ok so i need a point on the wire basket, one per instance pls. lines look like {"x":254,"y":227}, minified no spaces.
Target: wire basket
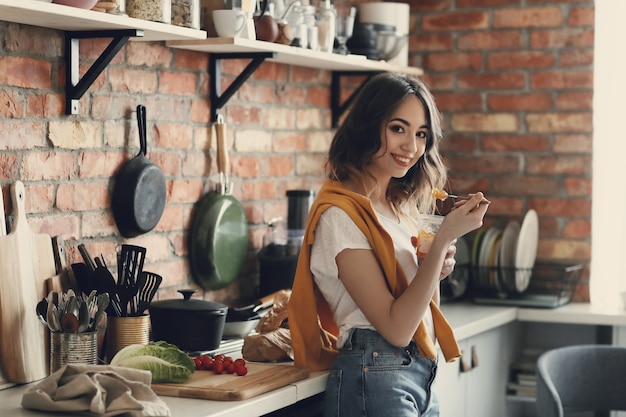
{"x":545,"y":285}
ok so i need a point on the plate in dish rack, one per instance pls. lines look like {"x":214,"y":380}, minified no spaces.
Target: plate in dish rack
{"x":526,"y":251}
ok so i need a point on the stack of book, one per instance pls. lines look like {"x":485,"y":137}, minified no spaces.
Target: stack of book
{"x":523,"y":380}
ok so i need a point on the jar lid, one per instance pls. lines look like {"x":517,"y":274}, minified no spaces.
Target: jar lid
{"x":188,"y":304}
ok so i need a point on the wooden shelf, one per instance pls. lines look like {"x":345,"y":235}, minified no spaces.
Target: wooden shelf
{"x":56,"y":16}
{"x":291,"y":55}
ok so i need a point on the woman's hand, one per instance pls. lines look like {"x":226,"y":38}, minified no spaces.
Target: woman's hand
{"x":466,"y":216}
{"x":449,"y":262}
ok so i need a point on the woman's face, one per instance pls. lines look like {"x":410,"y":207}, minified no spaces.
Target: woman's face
{"x":403,"y":141}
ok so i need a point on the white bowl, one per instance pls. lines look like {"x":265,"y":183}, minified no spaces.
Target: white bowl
{"x":82,"y":4}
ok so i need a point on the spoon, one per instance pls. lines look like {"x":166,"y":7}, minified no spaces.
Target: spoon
{"x":52,"y":317}
{"x":443,"y":194}
{"x":69,"y":323}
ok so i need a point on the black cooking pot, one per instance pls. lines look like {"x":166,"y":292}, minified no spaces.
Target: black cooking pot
{"x":190,"y":324}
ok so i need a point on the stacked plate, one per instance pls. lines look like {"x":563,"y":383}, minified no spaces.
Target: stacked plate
{"x":502,"y":259}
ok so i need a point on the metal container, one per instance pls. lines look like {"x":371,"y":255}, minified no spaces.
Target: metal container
{"x":67,"y":348}
{"x":124,"y":331}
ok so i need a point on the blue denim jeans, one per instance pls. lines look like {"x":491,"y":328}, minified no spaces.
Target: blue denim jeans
{"x":372,"y":378}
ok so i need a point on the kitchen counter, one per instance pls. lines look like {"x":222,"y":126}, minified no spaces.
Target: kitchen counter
{"x":467,"y":319}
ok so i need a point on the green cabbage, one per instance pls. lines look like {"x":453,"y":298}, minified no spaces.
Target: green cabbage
{"x":166,"y":362}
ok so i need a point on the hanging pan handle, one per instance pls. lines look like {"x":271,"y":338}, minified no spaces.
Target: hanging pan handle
{"x":223,"y":162}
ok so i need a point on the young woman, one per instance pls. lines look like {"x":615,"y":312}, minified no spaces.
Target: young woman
{"x":362,"y":304}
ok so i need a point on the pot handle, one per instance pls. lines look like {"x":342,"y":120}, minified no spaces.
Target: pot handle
{"x":187,"y":293}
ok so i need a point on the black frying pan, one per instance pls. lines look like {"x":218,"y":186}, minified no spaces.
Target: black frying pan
{"x":139,"y":194}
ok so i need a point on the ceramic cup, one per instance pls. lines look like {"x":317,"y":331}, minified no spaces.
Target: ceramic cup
{"x":229,"y":23}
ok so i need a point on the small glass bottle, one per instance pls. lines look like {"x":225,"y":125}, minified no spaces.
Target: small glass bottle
{"x":326,"y":26}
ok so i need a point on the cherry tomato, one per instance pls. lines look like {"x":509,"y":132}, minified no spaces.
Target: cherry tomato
{"x":241,"y":370}
{"x":218,"y":367}
{"x":240,"y":362}
{"x":207,"y":362}
{"x":198,"y":363}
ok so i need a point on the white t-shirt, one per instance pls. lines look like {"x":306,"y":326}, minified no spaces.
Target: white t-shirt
{"x":336,"y":232}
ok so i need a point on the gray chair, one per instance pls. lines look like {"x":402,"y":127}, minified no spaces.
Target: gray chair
{"x":582,"y":377}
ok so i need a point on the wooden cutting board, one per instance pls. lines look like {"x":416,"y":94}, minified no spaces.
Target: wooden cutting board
{"x":207,"y":385}
{"x":26,"y":260}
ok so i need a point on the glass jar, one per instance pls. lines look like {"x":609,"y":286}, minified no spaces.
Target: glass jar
{"x":186,"y":13}
{"x":111,"y":6}
{"x":153,"y":10}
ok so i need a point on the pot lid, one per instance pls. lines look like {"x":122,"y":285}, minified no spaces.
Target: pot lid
{"x":188,"y":304}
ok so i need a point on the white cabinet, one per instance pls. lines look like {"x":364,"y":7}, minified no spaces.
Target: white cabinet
{"x":480,"y":390}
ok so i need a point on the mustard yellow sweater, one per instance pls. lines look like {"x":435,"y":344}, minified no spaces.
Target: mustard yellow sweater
{"x":313,"y":330}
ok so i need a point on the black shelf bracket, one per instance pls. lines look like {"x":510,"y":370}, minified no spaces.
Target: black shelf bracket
{"x":336,"y":107}
{"x":75,"y":86}
{"x":219,"y":98}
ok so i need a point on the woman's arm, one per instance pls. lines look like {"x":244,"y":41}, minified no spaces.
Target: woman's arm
{"x":397,"y":319}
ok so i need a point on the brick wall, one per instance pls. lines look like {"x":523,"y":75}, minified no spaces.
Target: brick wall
{"x":514,"y":83}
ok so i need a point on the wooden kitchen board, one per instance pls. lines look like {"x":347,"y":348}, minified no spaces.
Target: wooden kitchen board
{"x":26,"y":260}
{"x":207,"y":385}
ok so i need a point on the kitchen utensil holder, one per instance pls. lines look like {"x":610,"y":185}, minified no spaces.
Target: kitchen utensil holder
{"x":71,"y":348}
{"x":124,"y":331}
{"x":556,"y":280}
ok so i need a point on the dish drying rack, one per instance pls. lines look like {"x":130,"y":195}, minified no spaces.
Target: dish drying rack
{"x":550,"y":285}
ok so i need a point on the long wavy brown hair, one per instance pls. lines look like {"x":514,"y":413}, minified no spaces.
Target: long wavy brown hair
{"x":358,"y":139}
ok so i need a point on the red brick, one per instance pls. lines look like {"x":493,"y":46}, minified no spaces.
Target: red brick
{"x":519,"y":102}
{"x":560,"y":38}
{"x":508,"y":143}
{"x":259,"y":190}
{"x":172,"y":136}
{"x":482,"y":122}
{"x":459,"y":101}
{"x":39,"y":199}
{"x":474,"y":20}
{"x":557,"y":165}
{"x":426,"y":41}
{"x":19,"y":134}
{"x":568,"y":207}
{"x":452,"y":61}
{"x":92,"y":195}
{"x":246,"y":166}
{"x":564,"y":249}
{"x":575,"y":100}
{"x":487,"y":164}
{"x":457,"y":142}
{"x":577,"y":229}
{"x":560,"y":122}
{"x":178,"y":83}
{"x":580,"y":187}
{"x":578,"y":143}
{"x":45,"y":105}
{"x":184,"y":191}
{"x":485,"y":3}
{"x":490,"y":40}
{"x":150,"y":54}
{"x":25,"y":72}
{"x":48,"y":166}
{"x":280,"y":166}
{"x":562,"y":79}
{"x":191,"y":60}
{"x":503,"y":80}
{"x":258,"y":93}
{"x":519,"y":60}
{"x":8,"y":166}
{"x":516,"y":185}
{"x":581,"y":16}
{"x":529,"y":17}
{"x":200,"y":111}
{"x":11,"y":105}
{"x":133,"y":80}
{"x":429,"y":5}
{"x":576,"y":58}
{"x":36,"y":41}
